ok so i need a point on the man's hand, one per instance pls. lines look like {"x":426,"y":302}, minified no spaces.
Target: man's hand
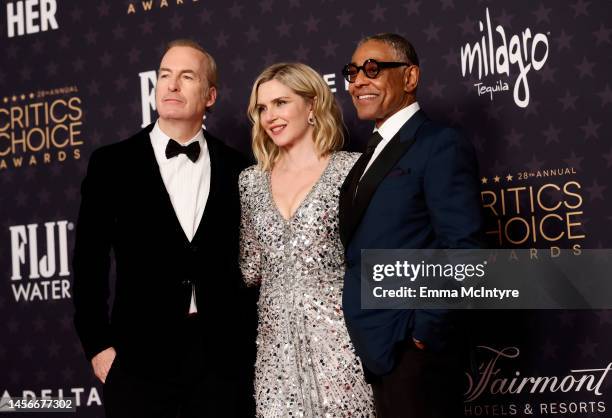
{"x":102,"y":363}
{"x":419,"y":344}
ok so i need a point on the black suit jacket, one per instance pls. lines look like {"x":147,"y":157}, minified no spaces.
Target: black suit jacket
{"x":126,"y":209}
{"x":421,"y":192}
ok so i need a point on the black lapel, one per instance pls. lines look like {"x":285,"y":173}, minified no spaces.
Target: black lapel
{"x":385,"y":161}
{"x":216,"y":176}
{"x":158,"y":188}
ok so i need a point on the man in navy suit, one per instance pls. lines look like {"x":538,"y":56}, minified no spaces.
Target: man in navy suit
{"x":415,"y":187}
{"x":180,"y":340}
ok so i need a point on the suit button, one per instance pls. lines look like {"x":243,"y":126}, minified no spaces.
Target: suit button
{"x":194,"y":248}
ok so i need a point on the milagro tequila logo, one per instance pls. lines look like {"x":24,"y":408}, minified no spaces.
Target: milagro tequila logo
{"x":495,"y":54}
{"x":40,"y":273}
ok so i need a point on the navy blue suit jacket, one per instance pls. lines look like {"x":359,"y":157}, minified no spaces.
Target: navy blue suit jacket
{"x":422,"y":191}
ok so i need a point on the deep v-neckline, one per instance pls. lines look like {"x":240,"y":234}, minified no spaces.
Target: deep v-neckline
{"x":304,"y":200}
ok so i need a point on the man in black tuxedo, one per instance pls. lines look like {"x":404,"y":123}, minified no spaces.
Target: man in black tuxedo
{"x":165,"y":202}
{"x":416,"y":186}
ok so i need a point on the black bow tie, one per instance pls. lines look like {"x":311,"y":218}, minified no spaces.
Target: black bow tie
{"x":192,"y":151}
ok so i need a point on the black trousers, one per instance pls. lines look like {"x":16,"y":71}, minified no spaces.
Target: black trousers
{"x":194,"y":391}
{"x":423,"y":384}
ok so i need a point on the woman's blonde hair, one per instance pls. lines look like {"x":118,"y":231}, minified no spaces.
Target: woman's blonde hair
{"x":304,"y":81}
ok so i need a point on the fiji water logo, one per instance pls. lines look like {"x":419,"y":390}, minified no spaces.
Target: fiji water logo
{"x":496,"y":54}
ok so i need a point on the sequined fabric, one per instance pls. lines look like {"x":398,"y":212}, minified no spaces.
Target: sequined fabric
{"x":306,"y":366}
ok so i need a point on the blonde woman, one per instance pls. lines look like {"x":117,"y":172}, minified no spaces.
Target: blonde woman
{"x":290,"y":246}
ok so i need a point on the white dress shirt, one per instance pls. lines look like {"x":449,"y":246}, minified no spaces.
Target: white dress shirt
{"x":187,"y":184}
{"x":390,"y":127}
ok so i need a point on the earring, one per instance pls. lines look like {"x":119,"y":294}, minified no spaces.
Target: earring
{"x":311,"y":119}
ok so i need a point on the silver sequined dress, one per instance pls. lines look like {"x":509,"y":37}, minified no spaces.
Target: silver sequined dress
{"x":306,"y":366}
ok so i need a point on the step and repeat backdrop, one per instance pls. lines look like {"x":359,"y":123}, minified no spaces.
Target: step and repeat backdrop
{"x":527,"y":81}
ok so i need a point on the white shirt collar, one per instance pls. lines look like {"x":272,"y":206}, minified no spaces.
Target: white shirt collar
{"x":392,"y":125}
{"x":159,"y":140}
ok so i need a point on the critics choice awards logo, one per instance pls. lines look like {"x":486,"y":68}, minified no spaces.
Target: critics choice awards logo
{"x":497,"y":56}
{"x":40,"y":127}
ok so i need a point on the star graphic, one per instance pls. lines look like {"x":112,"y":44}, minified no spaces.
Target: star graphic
{"x":238,"y":64}
{"x":478,"y":142}
{"x":585,"y":68}
{"x":312,"y":24}
{"x":412,"y":7}
{"x":120,"y":82}
{"x":590,"y":129}
{"x":534,"y":164}
{"x":484,"y":180}
{"x":266,"y":6}
{"x":134,"y":55}
{"x":435,"y":90}
{"x":447,"y":4}
{"x":605,"y":317}
{"x":91,"y":36}
{"x":205,"y":16}
{"x":574,"y":161}
{"x":580,"y":8}
{"x":106,"y":59}
{"x":378,"y":13}
{"x":39,"y":324}
{"x":514,"y":138}
{"x":64,"y":41}
{"x":221,"y":39}
{"x":284,"y":28}
{"x":176,"y":21}
{"x":27,"y":350}
{"x":596,"y":191}
{"x":563,"y":41}
{"x":269,"y":58}
{"x":605,"y":95}
{"x":330,"y":48}
{"x":235,"y":11}
{"x":43,"y":197}
{"x":467,"y":26}
{"x":493,"y":111}
{"x":118,"y":32}
{"x":301,"y":54}
{"x":496,"y":179}
{"x":93,"y":88}
{"x":38,"y":46}
{"x":451,"y":58}
{"x":532,"y":109}
{"x":344,"y":18}
{"x":146,"y":27}
{"x":542,"y":14}
{"x":432,"y":32}
{"x":568,"y":101}
{"x":51,"y":68}
{"x":505,"y":19}
{"x":602,"y":34}
{"x":11,"y":51}
{"x":608,"y":158}
{"x":103,"y":9}
{"x":567,"y":318}
{"x":509,"y":177}
{"x":76,"y":14}
{"x":252,"y":34}
{"x":547,"y":74}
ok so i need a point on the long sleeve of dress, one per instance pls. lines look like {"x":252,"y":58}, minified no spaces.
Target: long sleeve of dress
{"x":250,"y":248}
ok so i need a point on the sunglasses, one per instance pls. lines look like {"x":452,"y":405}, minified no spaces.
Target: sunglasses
{"x":370,"y":68}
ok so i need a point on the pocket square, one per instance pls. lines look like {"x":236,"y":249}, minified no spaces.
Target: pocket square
{"x":398,"y":171}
